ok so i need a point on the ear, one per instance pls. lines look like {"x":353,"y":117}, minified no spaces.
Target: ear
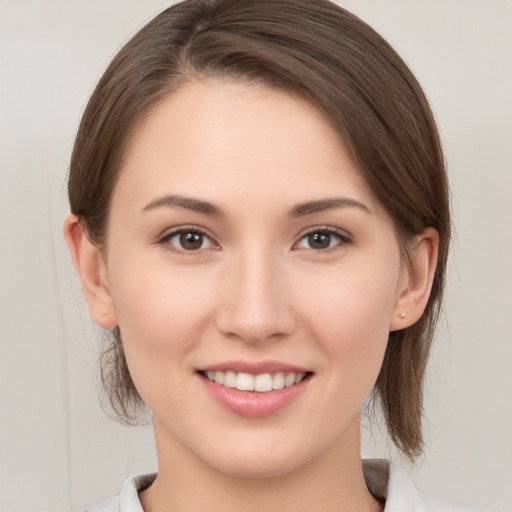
{"x":91,"y":269}
{"x":416,"y":280}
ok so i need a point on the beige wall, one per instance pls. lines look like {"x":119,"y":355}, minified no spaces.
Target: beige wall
{"x":57,"y":450}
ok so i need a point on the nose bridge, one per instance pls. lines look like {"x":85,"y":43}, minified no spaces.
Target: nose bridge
{"x":256,"y":304}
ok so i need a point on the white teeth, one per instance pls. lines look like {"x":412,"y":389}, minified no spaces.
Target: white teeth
{"x":230,"y":379}
{"x":261,"y":383}
{"x":289,"y":380}
{"x":299,"y":377}
{"x":278,"y":381}
{"x":244,"y":382}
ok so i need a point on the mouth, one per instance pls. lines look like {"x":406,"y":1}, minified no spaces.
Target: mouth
{"x":260,"y":383}
{"x":255,"y":389}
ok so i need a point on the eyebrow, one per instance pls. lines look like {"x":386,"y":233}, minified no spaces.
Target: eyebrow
{"x":187,"y":203}
{"x":323,"y":205}
{"x":299,"y":210}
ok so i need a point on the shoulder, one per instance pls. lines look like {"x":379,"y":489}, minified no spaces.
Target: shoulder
{"x":128,"y":499}
{"x":389,"y":481}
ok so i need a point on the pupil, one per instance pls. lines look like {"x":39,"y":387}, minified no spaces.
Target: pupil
{"x":191,"y":241}
{"x":319,"y":240}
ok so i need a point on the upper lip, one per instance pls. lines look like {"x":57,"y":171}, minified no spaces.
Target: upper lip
{"x":254,"y":367}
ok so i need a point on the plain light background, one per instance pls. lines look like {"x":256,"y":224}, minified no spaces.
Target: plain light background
{"x":58,"y":451}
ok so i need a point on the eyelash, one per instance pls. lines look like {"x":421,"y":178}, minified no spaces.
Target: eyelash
{"x":187,"y":230}
{"x":343,"y":239}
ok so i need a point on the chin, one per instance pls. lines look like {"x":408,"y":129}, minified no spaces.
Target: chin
{"x":257,"y":461}
{"x":259,"y":468}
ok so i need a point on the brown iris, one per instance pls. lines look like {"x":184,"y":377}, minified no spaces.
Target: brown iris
{"x":319,"y":240}
{"x":191,"y":241}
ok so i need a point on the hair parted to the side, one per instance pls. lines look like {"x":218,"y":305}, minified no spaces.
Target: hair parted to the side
{"x":321,"y":52}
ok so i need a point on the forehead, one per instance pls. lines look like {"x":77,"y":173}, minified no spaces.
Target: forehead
{"x":230,"y":138}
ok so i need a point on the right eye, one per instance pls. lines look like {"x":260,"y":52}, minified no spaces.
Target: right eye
{"x":188,"y":240}
{"x":323,"y":239}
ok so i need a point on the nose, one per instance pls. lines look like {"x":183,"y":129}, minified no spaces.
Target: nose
{"x":256,"y":303}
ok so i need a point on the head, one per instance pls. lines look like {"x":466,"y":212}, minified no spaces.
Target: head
{"x":334,"y":62}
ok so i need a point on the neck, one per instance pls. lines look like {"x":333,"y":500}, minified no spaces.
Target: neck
{"x":332,"y":481}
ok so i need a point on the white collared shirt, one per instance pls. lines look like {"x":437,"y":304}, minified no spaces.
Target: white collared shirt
{"x":385,"y":480}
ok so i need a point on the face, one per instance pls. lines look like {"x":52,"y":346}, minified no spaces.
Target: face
{"x":253,"y":276}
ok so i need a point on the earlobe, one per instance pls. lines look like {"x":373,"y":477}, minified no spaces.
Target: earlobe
{"x":414,"y":289}
{"x":90,"y":268}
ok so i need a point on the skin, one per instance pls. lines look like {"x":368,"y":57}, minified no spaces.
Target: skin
{"x":255,"y":289}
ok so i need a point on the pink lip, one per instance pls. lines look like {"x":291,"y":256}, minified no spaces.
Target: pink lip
{"x":254,"y":367}
{"x":253,"y":404}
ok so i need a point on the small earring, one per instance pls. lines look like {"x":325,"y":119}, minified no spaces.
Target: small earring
{"x":402,"y":315}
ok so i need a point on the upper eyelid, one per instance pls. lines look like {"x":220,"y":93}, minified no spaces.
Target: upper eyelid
{"x":169,"y":233}
{"x":326,"y":229}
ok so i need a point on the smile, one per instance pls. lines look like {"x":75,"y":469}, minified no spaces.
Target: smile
{"x":261,"y":383}
{"x":255,"y":389}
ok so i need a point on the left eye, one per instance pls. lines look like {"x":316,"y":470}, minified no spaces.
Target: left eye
{"x":321,"y":240}
{"x":189,"y":240}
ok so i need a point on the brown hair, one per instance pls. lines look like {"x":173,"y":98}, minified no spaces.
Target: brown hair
{"x":331,"y":58}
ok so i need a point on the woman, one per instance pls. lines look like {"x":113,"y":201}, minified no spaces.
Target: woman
{"x":260,"y":216}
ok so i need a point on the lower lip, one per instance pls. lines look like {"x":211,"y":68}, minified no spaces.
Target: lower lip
{"x":253,"y":404}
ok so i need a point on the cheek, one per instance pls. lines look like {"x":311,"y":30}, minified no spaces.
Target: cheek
{"x":158,"y":311}
{"x":356,"y":303}
{"x":352,"y":320}
{"x":161,"y":317}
